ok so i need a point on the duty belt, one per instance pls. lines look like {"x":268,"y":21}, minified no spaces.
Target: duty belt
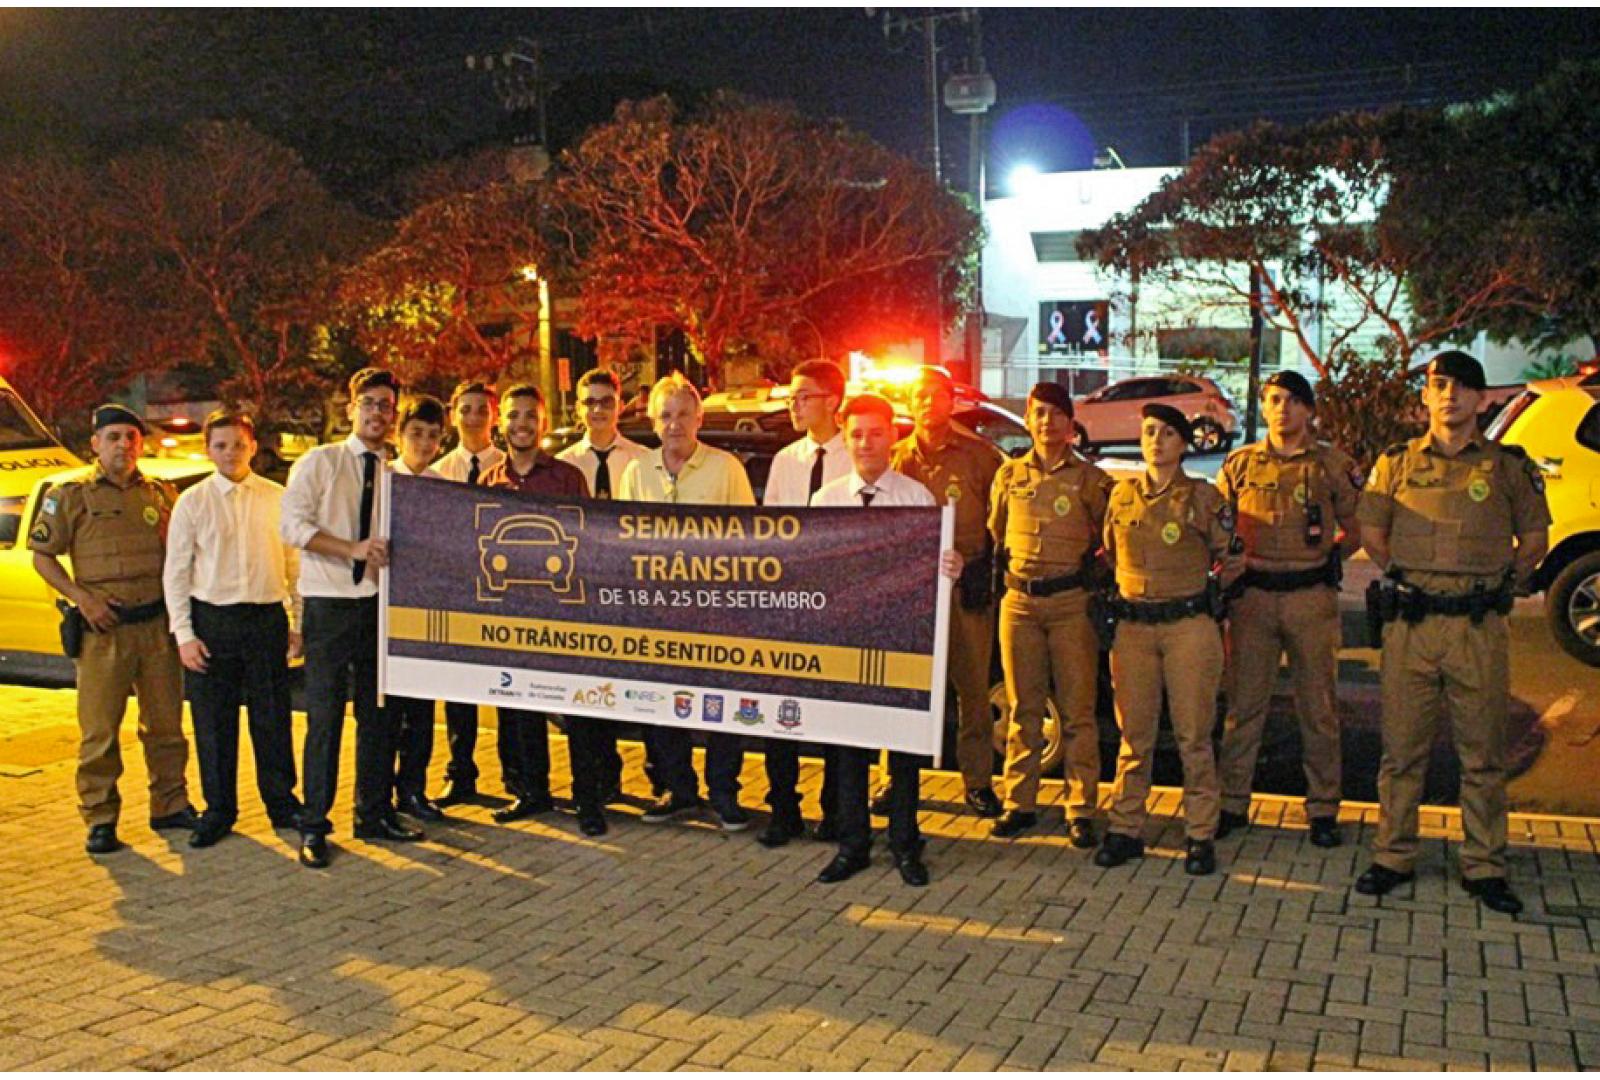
{"x":127,"y":616}
{"x":1288,"y":580}
{"x":1161,"y":611}
{"x":1046,"y":586}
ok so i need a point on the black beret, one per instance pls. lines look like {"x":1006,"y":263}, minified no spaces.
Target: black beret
{"x":1052,"y":393}
{"x":1174,"y":419}
{"x":1462,"y":367}
{"x":112,"y":413}
{"x":1295,"y":384}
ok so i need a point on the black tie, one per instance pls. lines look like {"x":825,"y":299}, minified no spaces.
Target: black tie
{"x":867,"y":495}
{"x":472,"y":473}
{"x":602,"y":475}
{"x":369,"y":476}
{"x":816,"y":471}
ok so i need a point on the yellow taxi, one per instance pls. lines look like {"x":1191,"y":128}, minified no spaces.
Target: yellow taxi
{"x":1557,"y":423}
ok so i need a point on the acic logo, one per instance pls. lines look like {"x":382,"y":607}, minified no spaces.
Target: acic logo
{"x":599,"y":697}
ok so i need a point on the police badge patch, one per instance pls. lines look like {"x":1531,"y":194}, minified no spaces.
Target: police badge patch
{"x":1171,"y":532}
{"x":1225,"y":516}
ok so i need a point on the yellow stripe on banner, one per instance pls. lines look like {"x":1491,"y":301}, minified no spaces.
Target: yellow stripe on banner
{"x":668,"y":648}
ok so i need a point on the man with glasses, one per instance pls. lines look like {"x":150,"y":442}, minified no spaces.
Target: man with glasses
{"x":601,"y":455}
{"x":818,"y":457}
{"x":473,"y":410}
{"x":330,"y":511}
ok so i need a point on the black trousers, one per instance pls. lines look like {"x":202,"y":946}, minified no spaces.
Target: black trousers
{"x":249,"y":647}
{"x":587,"y":742}
{"x":671,"y":753}
{"x":413,"y":733}
{"x":855,"y":820}
{"x":341,"y":642}
{"x":783,"y":780}
{"x":461,"y":732}
{"x":525,"y":753}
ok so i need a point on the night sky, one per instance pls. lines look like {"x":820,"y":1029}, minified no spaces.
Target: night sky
{"x":362,"y":92}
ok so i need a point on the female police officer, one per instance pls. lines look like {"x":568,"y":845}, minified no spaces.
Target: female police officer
{"x":1047,"y":512}
{"x":1164,"y":531}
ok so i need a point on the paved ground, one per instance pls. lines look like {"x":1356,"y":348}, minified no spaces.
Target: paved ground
{"x":678,"y":947}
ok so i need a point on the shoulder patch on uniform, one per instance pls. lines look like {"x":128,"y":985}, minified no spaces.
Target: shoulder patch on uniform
{"x":1225,"y":515}
{"x":1394,"y":449}
{"x":1513,"y":450}
{"x":41,"y":532}
{"x":1358,"y":476}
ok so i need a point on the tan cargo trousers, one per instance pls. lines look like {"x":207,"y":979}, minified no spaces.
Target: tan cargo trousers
{"x":1045,"y":640}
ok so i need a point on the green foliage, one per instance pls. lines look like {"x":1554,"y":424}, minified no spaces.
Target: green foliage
{"x":1550,"y":367}
{"x":1365,"y":405}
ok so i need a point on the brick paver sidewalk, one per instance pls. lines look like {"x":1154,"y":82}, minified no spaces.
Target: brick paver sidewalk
{"x":662,"y":947}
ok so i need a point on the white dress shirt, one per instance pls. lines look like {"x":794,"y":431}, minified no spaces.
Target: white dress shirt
{"x":623,"y":450}
{"x":457,"y":464}
{"x":399,"y":465}
{"x":324,"y":495}
{"x":890,"y":489}
{"x":789,"y":482}
{"x":223,"y":547}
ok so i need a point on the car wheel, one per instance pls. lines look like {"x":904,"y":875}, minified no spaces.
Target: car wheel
{"x":1208,"y":435}
{"x":1080,"y":439}
{"x":1000,"y":710}
{"x":1572,"y":605}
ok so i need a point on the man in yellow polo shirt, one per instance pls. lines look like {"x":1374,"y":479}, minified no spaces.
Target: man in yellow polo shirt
{"x":687,"y":471}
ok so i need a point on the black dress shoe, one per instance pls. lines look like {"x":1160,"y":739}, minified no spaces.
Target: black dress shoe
{"x":1380,"y":880}
{"x":389,"y":828}
{"x":983,"y":802}
{"x":881,"y":802}
{"x":667,"y":807}
{"x":523,"y":806}
{"x":1081,"y":832}
{"x":780,"y":830}
{"x":1014,"y":823}
{"x":420,"y":807}
{"x":592,"y":823}
{"x":314,"y":851}
{"x":1494,"y":894}
{"x":208,"y":832}
{"x":1199,"y":858}
{"x":1229,"y":822}
{"x":1325,"y":832}
{"x":843,"y":866}
{"x":912,"y":870}
{"x":1117,"y":849}
{"x":178,"y":819}
{"x":826,"y":832}
{"x":458,"y":791}
{"x":102,"y":840}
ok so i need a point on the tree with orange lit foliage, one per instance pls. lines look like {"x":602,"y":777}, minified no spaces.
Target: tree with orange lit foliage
{"x":453,"y":292}
{"x":77,"y":322}
{"x":755,"y":231}
{"x":243,"y":239}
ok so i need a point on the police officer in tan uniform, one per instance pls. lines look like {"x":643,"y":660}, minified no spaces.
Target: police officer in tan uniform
{"x":1292,"y":498}
{"x":959,"y":468}
{"x":1047,"y":513}
{"x":1459,"y":524}
{"x":112,"y":522}
{"x":1164,"y":532}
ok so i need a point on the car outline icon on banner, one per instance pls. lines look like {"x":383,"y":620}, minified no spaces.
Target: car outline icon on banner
{"x":532,"y":549}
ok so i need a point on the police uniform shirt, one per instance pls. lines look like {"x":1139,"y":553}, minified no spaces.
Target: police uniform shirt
{"x":1048,"y":518}
{"x":789,"y":481}
{"x":223,"y":548}
{"x":1164,"y":542}
{"x":959,"y":472}
{"x":582,"y":455}
{"x":457,"y":464}
{"x":324,"y":495}
{"x":889,"y":489}
{"x":710,"y":477}
{"x":1270,"y":493}
{"x":1451,"y":521}
{"x":115,"y":536}
{"x":546,"y":476}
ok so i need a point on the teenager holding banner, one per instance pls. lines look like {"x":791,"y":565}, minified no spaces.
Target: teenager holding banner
{"x":816,"y":390}
{"x":869,"y":434}
{"x":528,"y":469}
{"x":686,"y":471}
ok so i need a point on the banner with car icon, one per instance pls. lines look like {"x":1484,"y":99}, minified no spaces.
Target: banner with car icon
{"x":823,"y":625}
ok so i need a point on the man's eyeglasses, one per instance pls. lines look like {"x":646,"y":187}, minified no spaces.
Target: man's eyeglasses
{"x":377,"y":405}
{"x":598,"y":403}
{"x":807,"y":396}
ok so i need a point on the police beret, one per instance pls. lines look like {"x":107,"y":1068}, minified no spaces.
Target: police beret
{"x":1052,"y":393}
{"x":1462,"y":367}
{"x":1174,"y":419}
{"x":1294,"y":384}
{"x":112,"y":413}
